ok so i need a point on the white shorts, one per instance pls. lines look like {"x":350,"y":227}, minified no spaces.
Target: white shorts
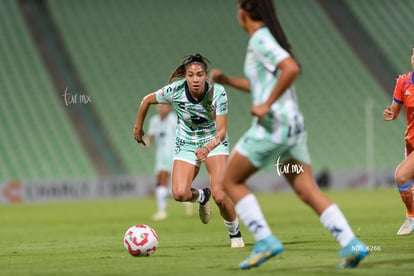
{"x":187,"y":154}
{"x":262,"y":152}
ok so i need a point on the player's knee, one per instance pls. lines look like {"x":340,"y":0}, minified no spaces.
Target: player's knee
{"x":401,"y":178}
{"x":179,"y":195}
{"x":219,"y":197}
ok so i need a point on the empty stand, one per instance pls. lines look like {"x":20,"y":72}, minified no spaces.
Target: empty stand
{"x":334,"y":90}
{"x":389,"y":23}
{"x":36,"y":140}
{"x":126,"y":49}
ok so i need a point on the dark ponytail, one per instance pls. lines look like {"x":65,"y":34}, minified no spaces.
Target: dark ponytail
{"x":264,"y":10}
{"x":179,"y":72}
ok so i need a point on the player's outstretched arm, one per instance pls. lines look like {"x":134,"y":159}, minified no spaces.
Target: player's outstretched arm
{"x":218,"y":76}
{"x":142,"y":113}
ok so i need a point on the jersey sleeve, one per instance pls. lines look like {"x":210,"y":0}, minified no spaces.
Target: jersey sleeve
{"x":398,"y":96}
{"x":221,"y":100}
{"x":165,"y":94}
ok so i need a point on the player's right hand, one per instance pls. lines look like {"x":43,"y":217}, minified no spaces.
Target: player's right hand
{"x":217,"y":76}
{"x":388,"y":114}
{"x":138,"y":134}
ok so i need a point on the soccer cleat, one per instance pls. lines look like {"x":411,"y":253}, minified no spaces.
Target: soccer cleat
{"x":407,"y":227}
{"x":353,"y":253}
{"x":236,"y":241}
{"x":159,"y":216}
{"x":204,"y":210}
{"x":262,"y":251}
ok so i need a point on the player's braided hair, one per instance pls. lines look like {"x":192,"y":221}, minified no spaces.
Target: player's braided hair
{"x":264,"y":10}
{"x":179,"y":72}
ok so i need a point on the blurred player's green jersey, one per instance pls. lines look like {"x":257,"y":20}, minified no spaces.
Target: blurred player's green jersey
{"x":284,"y":122}
{"x":196,"y":123}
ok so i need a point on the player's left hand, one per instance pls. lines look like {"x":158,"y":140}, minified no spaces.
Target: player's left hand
{"x":138,"y":134}
{"x":201,"y":154}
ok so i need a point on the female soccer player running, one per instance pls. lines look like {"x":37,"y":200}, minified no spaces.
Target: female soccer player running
{"x":277,"y":133}
{"x":201,"y":137}
{"x":404,"y":174}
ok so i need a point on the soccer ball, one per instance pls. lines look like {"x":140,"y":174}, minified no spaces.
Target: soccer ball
{"x":141,"y":240}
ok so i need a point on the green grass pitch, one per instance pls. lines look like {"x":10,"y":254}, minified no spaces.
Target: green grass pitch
{"x":85,"y":238}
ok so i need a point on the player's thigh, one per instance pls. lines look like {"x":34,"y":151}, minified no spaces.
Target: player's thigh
{"x":183,"y":174}
{"x":215,"y":165}
{"x":238,"y":170}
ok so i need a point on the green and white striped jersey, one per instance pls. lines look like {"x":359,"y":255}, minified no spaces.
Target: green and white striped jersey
{"x":196,"y":123}
{"x":284,"y":123}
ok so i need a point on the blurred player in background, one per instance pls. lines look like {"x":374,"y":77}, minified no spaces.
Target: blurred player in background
{"x":404,"y":174}
{"x":201,"y":137}
{"x":162,"y":128}
{"x":276,"y":135}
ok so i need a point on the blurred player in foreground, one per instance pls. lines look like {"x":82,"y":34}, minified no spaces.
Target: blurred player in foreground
{"x":277,"y":135}
{"x":201,"y":137}
{"x":404,"y":174}
{"x":162,"y":128}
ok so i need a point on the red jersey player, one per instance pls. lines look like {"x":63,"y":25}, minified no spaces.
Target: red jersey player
{"x":404,"y":174}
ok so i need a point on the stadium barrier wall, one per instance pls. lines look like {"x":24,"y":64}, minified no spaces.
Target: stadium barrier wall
{"x":137,"y":187}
